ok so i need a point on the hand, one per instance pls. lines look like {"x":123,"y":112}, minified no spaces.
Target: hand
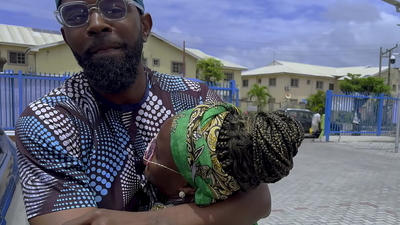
{"x":112,"y":217}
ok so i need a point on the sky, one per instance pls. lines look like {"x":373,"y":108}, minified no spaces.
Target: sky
{"x":253,"y":33}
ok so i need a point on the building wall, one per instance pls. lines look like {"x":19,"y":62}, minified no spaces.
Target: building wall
{"x":58,"y":60}
{"x":4,"y":52}
{"x":156,"y":49}
{"x":393,"y":80}
{"x":306,"y":85}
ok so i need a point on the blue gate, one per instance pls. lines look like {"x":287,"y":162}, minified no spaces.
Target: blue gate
{"x":18,"y":89}
{"x":359,"y":114}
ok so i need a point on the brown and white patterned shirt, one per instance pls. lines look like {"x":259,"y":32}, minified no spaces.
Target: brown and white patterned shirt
{"x":76,"y":149}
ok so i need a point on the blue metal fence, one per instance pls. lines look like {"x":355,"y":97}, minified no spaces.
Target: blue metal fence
{"x":359,"y":114}
{"x":18,"y":89}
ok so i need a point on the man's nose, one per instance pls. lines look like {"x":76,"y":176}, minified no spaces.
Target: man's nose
{"x":97,"y":24}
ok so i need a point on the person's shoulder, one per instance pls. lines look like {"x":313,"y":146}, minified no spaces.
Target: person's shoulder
{"x":173,"y":83}
{"x":66,"y":94}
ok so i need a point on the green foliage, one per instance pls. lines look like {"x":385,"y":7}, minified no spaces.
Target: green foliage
{"x":355,"y":83}
{"x":316,"y":102}
{"x":211,"y":69}
{"x":261,"y":94}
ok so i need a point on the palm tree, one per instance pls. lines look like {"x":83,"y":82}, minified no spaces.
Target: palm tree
{"x":261,"y":94}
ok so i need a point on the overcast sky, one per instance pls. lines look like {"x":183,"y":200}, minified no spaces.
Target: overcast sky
{"x":251,"y":32}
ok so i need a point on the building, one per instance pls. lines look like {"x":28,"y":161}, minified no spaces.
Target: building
{"x":41,"y":51}
{"x":290,"y":84}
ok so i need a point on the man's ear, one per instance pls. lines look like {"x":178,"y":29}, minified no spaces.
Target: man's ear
{"x":147,"y":25}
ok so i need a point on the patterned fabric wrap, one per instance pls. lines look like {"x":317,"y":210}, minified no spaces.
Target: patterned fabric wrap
{"x":194,"y":135}
{"x":139,"y":2}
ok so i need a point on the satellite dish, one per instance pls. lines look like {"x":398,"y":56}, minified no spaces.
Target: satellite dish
{"x":288,"y":96}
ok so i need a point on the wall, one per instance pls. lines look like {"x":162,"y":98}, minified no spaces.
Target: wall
{"x":278,"y":92}
{"x":4,"y":50}
{"x":58,"y":59}
{"x":166,"y":54}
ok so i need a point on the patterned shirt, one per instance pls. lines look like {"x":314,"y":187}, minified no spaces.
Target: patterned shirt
{"x":76,"y":149}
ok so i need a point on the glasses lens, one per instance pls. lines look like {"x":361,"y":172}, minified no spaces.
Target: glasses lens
{"x":148,"y":154}
{"x":113,"y":9}
{"x":74,"y":14}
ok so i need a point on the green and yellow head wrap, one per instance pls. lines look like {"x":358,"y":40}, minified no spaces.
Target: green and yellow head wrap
{"x":194,"y":136}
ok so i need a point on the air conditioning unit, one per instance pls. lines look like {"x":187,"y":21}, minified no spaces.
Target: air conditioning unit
{"x":287,"y":88}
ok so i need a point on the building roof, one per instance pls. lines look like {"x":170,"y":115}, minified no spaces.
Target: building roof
{"x":26,"y":37}
{"x":201,"y":55}
{"x":278,"y":67}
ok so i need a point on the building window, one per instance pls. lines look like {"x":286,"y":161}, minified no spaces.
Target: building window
{"x":144,"y":61}
{"x":394,"y":87}
{"x":17,"y":58}
{"x":272,"y":82}
{"x":294,"y":83}
{"x":331,"y":87}
{"x":319,"y":85}
{"x":156,"y":62}
{"x":177,"y":68}
{"x":245,"y":83}
{"x":259,"y":80}
{"x":308,"y":82}
{"x":228,"y":76}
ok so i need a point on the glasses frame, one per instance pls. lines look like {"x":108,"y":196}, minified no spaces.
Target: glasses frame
{"x":148,"y":160}
{"x":91,"y":7}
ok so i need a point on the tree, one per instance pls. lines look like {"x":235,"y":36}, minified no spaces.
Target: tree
{"x":316,"y":102}
{"x":211,"y":70}
{"x":356,"y":83}
{"x":261,"y":94}
{"x":3,"y":61}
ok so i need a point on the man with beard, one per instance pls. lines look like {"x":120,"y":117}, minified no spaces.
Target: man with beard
{"x":80,"y":147}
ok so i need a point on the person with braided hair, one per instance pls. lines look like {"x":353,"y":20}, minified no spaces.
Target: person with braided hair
{"x":206,"y":154}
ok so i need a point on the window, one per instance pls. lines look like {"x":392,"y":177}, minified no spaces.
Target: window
{"x":16,"y":58}
{"x":319,"y":85}
{"x":272,"y":82}
{"x":394,"y":87}
{"x":156,"y":62}
{"x":245,"y":83}
{"x":177,"y":68}
{"x":228,"y":76}
{"x":259,"y":80}
{"x":294,"y":83}
{"x":331,"y":87}
{"x":308,"y":82}
{"x":144,"y":60}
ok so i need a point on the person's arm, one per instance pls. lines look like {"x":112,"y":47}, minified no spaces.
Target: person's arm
{"x":241,"y":209}
{"x":52,"y":173}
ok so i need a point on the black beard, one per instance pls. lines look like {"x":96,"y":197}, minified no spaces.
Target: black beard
{"x":111,"y":74}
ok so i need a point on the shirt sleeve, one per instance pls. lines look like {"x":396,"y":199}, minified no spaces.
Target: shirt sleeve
{"x":51,"y":164}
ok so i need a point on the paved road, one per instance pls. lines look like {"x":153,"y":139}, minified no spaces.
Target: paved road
{"x":336,"y":183}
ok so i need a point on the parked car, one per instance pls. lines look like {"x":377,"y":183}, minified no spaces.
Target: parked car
{"x":304,"y":116}
{"x":12,"y":209}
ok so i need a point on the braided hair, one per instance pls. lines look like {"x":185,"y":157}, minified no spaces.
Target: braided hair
{"x":258,"y":147}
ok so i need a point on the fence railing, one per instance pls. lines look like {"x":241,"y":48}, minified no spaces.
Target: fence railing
{"x":18,"y":89}
{"x":359,"y":114}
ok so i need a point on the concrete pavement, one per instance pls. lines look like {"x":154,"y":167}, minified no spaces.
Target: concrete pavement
{"x":338,"y":183}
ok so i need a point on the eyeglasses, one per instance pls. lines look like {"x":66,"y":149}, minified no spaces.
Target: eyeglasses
{"x":77,"y":13}
{"x":149,"y":153}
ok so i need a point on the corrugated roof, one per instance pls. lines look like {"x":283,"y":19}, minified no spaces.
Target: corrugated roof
{"x":25,"y":36}
{"x":227,"y":64}
{"x":277,"y":67}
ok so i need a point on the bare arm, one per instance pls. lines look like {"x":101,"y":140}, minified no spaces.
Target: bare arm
{"x":58,"y":218}
{"x":242,"y":209}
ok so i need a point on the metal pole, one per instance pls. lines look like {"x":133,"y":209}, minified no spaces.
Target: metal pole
{"x":380,"y":61}
{"x":396,"y":145}
{"x":388,"y":80}
{"x":184,"y":59}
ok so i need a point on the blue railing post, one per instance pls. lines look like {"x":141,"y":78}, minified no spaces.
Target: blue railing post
{"x":232,"y":90}
{"x":20,"y":92}
{"x":328,"y":111}
{"x":380,"y":114}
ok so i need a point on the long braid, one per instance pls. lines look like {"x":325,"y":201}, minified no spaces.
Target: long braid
{"x":258,"y":147}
